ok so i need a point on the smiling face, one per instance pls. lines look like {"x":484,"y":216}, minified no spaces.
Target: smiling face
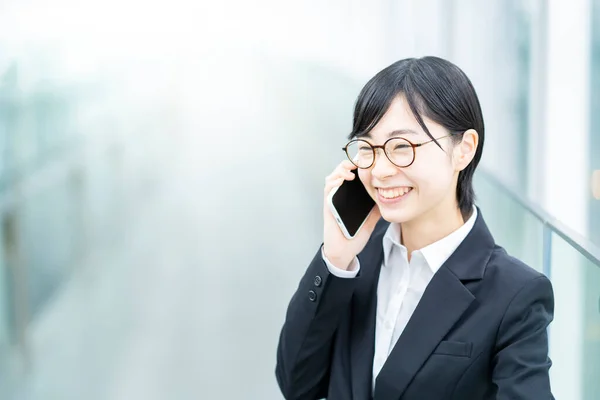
{"x":425,"y":188}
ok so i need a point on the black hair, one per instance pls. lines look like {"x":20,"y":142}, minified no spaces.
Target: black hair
{"x":434,"y":88}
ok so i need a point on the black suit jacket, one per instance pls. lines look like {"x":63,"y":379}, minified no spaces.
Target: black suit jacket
{"x":479,"y":331}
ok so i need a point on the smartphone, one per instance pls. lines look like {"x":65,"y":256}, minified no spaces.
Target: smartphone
{"x":350,"y":205}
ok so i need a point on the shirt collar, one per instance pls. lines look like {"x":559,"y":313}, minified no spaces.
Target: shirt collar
{"x":436,"y":253}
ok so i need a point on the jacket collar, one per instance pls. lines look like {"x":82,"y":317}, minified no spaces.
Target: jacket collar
{"x":444,"y":301}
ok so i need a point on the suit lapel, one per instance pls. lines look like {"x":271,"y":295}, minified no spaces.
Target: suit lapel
{"x":443,"y":303}
{"x":364,"y":311}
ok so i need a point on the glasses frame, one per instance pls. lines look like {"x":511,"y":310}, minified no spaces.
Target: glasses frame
{"x":382,"y":147}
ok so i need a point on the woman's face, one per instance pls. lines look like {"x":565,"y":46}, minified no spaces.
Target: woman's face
{"x":428,"y":185}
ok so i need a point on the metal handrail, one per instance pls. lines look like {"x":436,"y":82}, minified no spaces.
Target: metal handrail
{"x":577,"y":241}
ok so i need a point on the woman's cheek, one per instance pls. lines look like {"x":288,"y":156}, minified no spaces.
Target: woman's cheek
{"x":364,"y":178}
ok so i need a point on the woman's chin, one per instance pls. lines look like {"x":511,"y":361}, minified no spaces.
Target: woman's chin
{"x":396,"y":215}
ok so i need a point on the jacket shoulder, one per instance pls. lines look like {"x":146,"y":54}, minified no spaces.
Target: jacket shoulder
{"x":508,"y":271}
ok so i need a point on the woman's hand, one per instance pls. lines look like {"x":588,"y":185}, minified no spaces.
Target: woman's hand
{"x":339,"y":250}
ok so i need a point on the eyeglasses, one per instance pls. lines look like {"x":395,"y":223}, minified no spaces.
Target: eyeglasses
{"x":400,"y":151}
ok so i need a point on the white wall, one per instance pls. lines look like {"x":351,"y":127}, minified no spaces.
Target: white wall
{"x":566,"y":178}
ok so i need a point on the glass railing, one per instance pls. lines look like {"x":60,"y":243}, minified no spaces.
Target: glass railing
{"x":59,"y":195}
{"x":573,"y":265}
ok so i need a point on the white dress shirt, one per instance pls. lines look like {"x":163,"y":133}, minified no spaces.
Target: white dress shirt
{"x":402,"y":283}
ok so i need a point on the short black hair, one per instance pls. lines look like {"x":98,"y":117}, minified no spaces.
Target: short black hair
{"x":435,"y":88}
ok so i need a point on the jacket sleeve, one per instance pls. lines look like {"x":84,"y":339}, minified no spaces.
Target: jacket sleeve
{"x":521,"y":363}
{"x":306,"y":341}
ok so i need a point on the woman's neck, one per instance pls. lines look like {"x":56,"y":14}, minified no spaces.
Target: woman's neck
{"x":430,"y":228}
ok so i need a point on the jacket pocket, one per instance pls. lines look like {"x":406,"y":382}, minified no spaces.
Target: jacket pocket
{"x":451,"y":348}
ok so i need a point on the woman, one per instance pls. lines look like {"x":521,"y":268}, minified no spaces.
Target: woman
{"x":421,"y":304}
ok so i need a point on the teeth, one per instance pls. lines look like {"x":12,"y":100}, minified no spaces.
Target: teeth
{"x":393,"y":193}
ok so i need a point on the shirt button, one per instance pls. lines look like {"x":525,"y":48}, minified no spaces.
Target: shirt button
{"x":312,"y":296}
{"x":318,"y":281}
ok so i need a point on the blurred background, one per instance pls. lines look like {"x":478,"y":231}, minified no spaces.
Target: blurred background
{"x":162,"y":164}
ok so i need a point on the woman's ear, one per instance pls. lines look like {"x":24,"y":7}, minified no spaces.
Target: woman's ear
{"x":464,"y":152}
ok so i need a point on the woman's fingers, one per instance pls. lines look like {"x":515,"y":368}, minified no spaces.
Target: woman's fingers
{"x":342,"y":172}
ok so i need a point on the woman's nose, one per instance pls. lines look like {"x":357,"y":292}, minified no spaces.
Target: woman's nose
{"x":382,"y":166}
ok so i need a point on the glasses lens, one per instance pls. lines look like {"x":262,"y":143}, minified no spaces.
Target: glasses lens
{"x":400,"y":152}
{"x":360,"y":153}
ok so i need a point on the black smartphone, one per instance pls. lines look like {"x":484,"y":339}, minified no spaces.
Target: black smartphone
{"x":350,"y":205}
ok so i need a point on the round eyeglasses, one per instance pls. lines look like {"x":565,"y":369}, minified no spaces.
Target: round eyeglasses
{"x":400,"y":151}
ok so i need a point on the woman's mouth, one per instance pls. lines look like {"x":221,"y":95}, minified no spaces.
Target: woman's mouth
{"x":392,"y":195}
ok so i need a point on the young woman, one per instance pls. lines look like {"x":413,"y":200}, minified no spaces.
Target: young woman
{"x":421,"y":304}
